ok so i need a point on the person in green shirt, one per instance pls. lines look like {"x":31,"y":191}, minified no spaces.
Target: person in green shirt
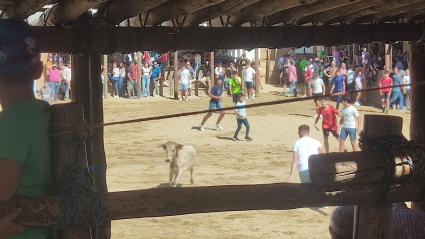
{"x":303,"y":65}
{"x":25,"y":167}
{"x":235,"y":86}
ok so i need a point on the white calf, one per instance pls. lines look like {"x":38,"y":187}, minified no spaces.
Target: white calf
{"x":181,"y":158}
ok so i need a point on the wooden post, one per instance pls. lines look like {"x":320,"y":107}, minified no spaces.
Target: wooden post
{"x":388,"y":57}
{"x":257,"y":72}
{"x":268,"y":65}
{"x":105,"y":77}
{"x":417,"y":117}
{"x":139,"y":74}
{"x":175,"y":93}
{"x":212,"y":67}
{"x":65,"y":154}
{"x":374,"y":221}
{"x":89,"y":95}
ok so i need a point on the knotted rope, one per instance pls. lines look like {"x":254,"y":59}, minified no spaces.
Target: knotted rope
{"x":390,"y":147}
{"x":77,"y":191}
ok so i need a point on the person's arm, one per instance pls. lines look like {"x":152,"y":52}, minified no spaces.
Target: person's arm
{"x":343,"y":87}
{"x":10,"y":173}
{"x":8,"y":227}
{"x":341,"y":121}
{"x":129,"y":76}
{"x":322,"y":150}
{"x":317,"y":120}
{"x":294,"y":166}
{"x":323,"y":88}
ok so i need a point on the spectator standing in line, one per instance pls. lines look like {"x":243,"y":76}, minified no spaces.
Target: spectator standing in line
{"x":249,"y":80}
{"x":219,"y":70}
{"x":122,"y":82}
{"x":397,"y":99}
{"x":358,"y":85}
{"x":292,"y":79}
{"x":385,"y":81}
{"x":184,"y":81}
{"x":54,"y":81}
{"x":365,"y":57}
{"x":146,"y":78}
{"x":115,"y":78}
{"x":281,"y":65}
{"x":215,"y":104}
{"x":241,"y":118}
{"x":66,"y":80}
{"x":198,"y":61}
{"x":130,"y":81}
{"x":156,"y":75}
{"x":350,"y":125}
{"x":308,"y":80}
{"x":330,"y":73}
{"x":329,"y":122}
{"x":303,"y":149}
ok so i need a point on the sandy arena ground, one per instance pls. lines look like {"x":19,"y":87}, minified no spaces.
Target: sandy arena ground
{"x":135,"y":161}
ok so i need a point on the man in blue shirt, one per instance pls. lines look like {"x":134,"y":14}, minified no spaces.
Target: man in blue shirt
{"x":156,"y":74}
{"x":397,"y":95}
{"x":215,"y":103}
{"x":338,"y":87}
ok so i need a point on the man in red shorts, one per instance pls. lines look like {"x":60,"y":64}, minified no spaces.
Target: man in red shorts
{"x":329,"y":122}
{"x":385,"y":81}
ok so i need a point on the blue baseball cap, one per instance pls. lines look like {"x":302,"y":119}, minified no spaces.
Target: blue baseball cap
{"x":19,"y":50}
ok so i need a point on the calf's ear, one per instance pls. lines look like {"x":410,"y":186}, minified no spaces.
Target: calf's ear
{"x":179,"y":147}
{"x":162,"y":146}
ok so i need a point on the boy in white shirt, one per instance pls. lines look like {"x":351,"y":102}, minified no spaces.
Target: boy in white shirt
{"x":241,"y":118}
{"x":303,"y":149}
{"x":349,"y":124}
{"x":318,"y":88}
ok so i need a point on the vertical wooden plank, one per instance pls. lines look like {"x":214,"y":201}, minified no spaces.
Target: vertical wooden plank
{"x":417,"y":116}
{"x":257,"y":71}
{"x":267,"y":65}
{"x":105,"y":76}
{"x":212,"y":67}
{"x":374,"y":221}
{"x":388,"y":57}
{"x":139,"y":74}
{"x":176,"y":76}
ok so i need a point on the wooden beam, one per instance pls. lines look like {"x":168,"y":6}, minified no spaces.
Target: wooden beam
{"x":328,"y":15}
{"x":158,"y":202}
{"x":212,"y":70}
{"x":225,"y":8}
{"x":174,"y":9}
{"x":21,"y":9}
{"x":384,"y":12}
{"x":120,"y":39}
{"x":120,"y":10}
{"x":257,"y":71}
{"x":302,"y":11}
{"x":175,"y":94}
{"x":417,"y":117}
{"x":396,"y":14}
{"x":263,"y":9}
{"x":105,"y":77}
{"x":69,"y":10}
{"x":139,"y":74}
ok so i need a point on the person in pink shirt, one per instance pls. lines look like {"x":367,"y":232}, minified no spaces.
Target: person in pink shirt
{"x":292,"y":79}
{"x":54,"y":82}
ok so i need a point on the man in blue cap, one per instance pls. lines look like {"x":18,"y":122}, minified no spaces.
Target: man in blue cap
{"x":24,"y":125}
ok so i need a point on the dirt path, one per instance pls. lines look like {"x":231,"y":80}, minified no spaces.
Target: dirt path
{"x":135,"y":161}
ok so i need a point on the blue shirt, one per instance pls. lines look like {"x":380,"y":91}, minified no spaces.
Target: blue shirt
{"x":396,"y":81}
{"x":156,"y":72}
{"x":338,"y":81}
{"x":216,"y":91}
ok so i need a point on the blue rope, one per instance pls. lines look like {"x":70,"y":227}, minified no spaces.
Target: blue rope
{"x":78,"y":193}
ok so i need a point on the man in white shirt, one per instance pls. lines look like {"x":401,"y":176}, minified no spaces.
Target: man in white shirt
{"x":219,"y":70}
{"x":303,"y":149}
{"x":66,"y":80}
{"x":198,"y":60}
{"x":184,"y":80}
{"x":350,"y":124}
{"x":249,"y":76}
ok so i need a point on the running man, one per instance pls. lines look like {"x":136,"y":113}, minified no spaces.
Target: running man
{"x":350,"y":125}
{"x":329,"y":122}
{"x":303,"y":149}
{"x":385,"y":81}
{"x":215,"y":104}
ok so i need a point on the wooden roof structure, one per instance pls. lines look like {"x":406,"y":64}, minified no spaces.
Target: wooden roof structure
{"x":214,"y":24}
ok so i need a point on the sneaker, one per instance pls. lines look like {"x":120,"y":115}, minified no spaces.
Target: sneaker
{"x":219,"y":127}
{"x":248,"y":138}
{"x":235,"y":139}
{"x":383,"y":110}
{"x":386,"y":111}
{"x":201,"y":128}
{"x":356,"y":103}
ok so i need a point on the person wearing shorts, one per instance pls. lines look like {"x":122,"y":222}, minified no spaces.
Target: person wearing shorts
{"x":350,"y":125}
{"x":215,"y":104}
{"x":318,"y":88}
{"x":249,"y":76}
{"x":385,"y":81}
{"x":338,"y":87}
{"x":329,"y":124}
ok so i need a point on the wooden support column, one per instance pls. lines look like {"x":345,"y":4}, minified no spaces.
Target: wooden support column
{"x":257,"y":71}
{"x":388,"y":57}
{"x":139,"y":74}
{"x":212,"y":65}
{"x":105,"y":77}
{"x":417,"y":117}
{"x":176,"y":76}
{"x":374,"y":221}
{"x":89,"y":95}
{"x":267,"y":65}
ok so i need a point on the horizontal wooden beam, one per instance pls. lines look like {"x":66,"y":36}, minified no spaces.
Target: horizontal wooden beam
{"x":131,"y":39}
{"x":68,"y":11}
{"x":21,"y":9}
{"x":120,"y":10}
{"x":157,"y":202}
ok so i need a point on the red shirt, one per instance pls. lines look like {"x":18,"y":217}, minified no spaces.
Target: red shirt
{"x":385,"y":82}
{"x":329,"y":117}
{"x":308,"y":74}
{"x":134,"y":72}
